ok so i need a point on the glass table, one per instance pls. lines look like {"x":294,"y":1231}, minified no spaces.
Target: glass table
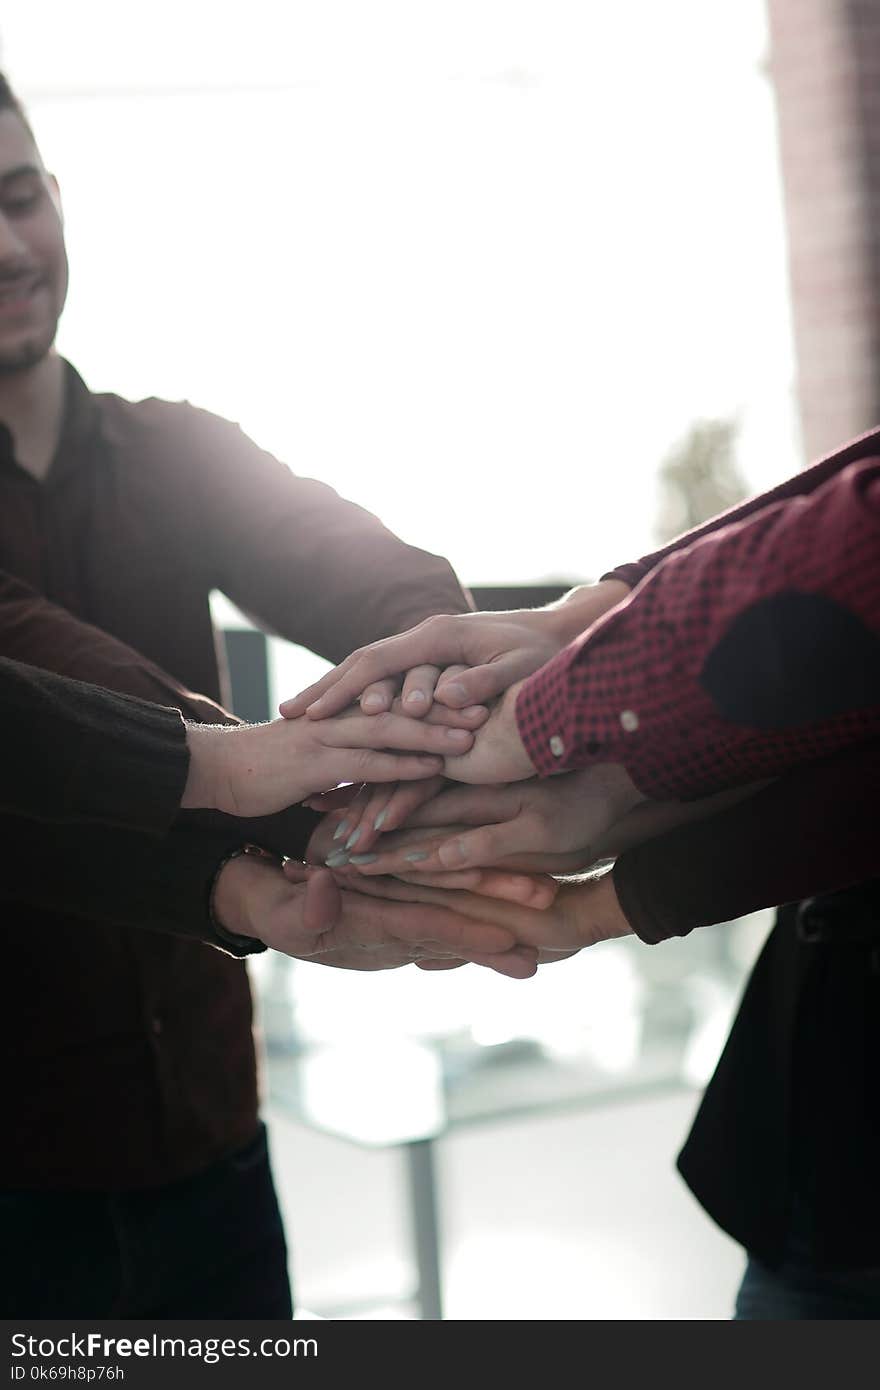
{"x":382,"y":1068}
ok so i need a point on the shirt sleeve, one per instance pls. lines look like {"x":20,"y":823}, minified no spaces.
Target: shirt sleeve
{"x":298,"y":558}
{"x":753,"y":854}
{"x":72,"y":752}
{"x":752,"y":650}
{"x":41,"y":633}
{"x":123,"y":878}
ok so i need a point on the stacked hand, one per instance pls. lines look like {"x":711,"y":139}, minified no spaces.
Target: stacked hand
{"x":307,"y":914}
{"x":497,"y":873}
{"x":250,"y":770}
{"x":483,"y":851}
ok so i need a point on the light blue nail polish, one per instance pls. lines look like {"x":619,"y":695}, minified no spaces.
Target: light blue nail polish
{"x":353,"y":837}
{"x":364,"y":858}
{"x":341,"y":829}
{"x":416,"y":857}
{"x":380,"y":819}
{"x":337,"y":859}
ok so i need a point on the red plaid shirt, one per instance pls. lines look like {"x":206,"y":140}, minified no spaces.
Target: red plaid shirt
{"x":638,"y":687}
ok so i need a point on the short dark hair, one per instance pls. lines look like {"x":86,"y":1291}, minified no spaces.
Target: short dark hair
{"x":10,"y":102}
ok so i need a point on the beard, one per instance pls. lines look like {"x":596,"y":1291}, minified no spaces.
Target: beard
{"x":25,"y":355}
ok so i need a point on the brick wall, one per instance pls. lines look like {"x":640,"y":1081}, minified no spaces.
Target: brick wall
{"x":825,"y":63}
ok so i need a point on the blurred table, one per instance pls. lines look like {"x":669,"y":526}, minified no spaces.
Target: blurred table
{"x":408,"y":1093}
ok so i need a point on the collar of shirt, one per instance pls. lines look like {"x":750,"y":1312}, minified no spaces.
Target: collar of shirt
{"x":84,"y":432}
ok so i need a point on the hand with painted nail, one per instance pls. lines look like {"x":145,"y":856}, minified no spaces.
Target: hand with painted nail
{"x":555,"y":825}
{"x":533,"y":889}
{"x":487,"y":652}
{"x":374,"y":809}
{"x":263,"y":768}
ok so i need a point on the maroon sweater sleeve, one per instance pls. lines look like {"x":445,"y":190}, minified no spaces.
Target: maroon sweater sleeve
{"x":812,"y":831}
{"x":75,"y":753}
{"x":35,"y":631}
{"x":40,"y":633}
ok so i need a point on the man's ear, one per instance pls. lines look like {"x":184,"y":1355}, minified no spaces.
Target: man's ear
{"x":55,"y":191}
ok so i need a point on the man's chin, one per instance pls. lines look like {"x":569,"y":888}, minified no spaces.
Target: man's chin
{"x":24,"y":356}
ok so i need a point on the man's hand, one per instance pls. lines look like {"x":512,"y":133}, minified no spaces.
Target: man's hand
{"x":252,"y":770}
{"x":488,"y":651}
{"x":303,"y":914}
{"x":497,"y":753}
{"x":584,"y":913}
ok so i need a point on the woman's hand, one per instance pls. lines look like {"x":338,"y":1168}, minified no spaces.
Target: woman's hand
{"x":536,"y":890}
{"x":556,"y":825}
{"x":251,"y":770}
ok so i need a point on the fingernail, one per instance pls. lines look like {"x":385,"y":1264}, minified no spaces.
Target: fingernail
{"x":415,"y":697}
{"x":416,"y":857}
{"x":451,"y":855}
{"x":337,"y":859}
{"x":353,"y":838}
{"x":373,"y":702}
{"x":364,"y":858}
{"x":453,"y":688}
{"x":459,"y":735}
{"x":315,"y":705}
{"x":380,"y":819}
{"x":341,"y":829}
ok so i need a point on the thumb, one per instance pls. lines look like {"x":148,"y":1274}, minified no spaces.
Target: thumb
{"x":323,"y":903}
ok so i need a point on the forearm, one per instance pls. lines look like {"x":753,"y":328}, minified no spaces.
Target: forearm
{"x":572,"y":614}
{"x":812,"y":831}
{"x":74,"y":752}
{"x":308,"y":564}
{"x":43,"y":634}
{"x":119,"y":877}
{"x":735,"y":660}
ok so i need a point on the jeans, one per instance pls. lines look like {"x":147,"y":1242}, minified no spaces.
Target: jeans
{"x":797,"y":1290}
{"x":211,"y":1246}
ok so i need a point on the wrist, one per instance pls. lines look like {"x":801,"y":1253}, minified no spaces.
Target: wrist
{"x":580,"y":607}
{"x":610,"y":915}
{"x":519,"y":764}
{"x":232,"y":894}
{"x":599,"y":916}
{"x":206,"y":772}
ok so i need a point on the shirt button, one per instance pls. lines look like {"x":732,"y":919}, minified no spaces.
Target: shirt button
{"x":629,"y":721}
{"x":557,"y":747}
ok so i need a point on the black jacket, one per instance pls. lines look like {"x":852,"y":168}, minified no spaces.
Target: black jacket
{"x":794,"y":1104}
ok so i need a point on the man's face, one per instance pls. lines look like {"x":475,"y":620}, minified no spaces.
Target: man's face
{"x":33,"y":262}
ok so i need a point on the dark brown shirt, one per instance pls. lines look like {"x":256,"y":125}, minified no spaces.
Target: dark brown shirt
{"x":130,"y":1054}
